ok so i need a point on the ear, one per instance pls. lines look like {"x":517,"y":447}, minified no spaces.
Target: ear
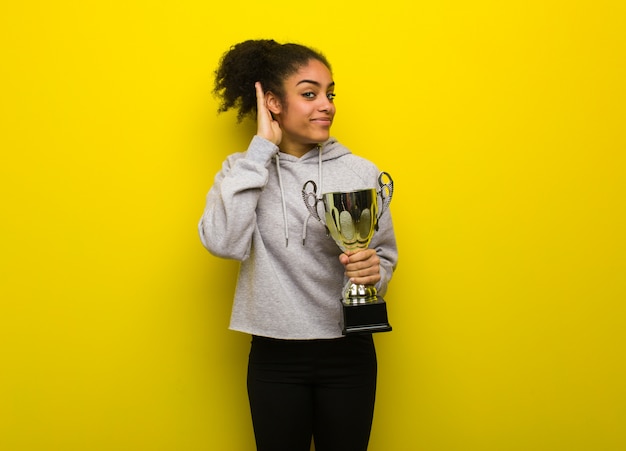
{"x":272,"y":102}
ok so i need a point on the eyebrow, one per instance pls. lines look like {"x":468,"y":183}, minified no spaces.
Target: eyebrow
{"x":313,"y":82}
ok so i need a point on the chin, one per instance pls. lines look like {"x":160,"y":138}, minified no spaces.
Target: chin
{"x":322,"y":138}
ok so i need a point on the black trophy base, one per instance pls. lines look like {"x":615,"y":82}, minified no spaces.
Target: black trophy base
{"x":365,"y":318}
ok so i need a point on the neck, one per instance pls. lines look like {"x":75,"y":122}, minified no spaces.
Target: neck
{"x":297,"y":151}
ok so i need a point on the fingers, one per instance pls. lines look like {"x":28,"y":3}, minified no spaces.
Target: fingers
{"x":362,"y":267}
{"x":366,"y":280}
{"x":260,"y":97}
{"x":355,"y":257}
{"x":267,"y":127}
{"x":262,"y":114}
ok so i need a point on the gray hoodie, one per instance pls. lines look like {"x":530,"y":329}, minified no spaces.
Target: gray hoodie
{"x":288,"y":287}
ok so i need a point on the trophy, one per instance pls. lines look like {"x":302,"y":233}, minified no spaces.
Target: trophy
{"x":351,"y":219}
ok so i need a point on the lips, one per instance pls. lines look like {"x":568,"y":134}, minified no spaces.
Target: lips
{"x":322,"y":120}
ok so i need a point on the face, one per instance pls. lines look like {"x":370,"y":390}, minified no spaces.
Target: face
{"x":306,"y":113}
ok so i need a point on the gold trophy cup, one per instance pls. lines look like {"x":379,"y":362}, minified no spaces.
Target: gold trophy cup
{"x":351,"y":218}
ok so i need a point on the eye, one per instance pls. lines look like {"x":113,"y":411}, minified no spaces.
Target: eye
{"x":331,"y":96}
{"x":308,"y":95}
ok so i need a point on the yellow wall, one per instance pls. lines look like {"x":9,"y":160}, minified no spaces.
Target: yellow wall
{"x":502,"y":123}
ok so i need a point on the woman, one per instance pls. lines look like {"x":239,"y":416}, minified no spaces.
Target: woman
{"x":304,"y":378}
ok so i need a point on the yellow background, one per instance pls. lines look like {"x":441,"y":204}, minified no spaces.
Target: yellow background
{"x":503,"y":125}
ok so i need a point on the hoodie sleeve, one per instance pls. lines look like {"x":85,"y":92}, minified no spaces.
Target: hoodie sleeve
{"x":384,"y":241}
{"x":229,"y":218}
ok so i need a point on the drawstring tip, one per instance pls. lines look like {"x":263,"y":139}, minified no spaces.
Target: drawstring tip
{"x":286,"y":242}
{"x":303,"y":240}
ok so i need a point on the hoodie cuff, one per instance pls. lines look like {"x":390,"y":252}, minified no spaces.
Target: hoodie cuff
{"x":381,"y":286}
{"x":261,"y":150}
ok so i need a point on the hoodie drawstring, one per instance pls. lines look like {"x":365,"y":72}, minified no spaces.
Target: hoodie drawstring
{"x":282,"y":198}
{"x":282,"y":195}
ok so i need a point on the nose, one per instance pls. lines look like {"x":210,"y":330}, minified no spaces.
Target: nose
{"x":327,"y":105}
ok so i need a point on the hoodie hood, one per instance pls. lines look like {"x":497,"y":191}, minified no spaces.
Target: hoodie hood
{"x":331,"y":149}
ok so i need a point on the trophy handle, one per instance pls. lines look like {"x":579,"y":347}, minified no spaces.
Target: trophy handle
{"x":309,"y":195}
{"x":385,"y":192}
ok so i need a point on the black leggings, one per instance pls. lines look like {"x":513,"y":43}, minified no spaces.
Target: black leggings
{"x":300,"y":389}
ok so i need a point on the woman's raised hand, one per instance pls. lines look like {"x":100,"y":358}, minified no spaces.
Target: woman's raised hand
{"x":267,"y":126}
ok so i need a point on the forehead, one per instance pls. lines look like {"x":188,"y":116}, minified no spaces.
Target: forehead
{"x":314,"y":71}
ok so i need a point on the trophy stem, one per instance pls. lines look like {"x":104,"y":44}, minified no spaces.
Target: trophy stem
{"x":360,"y":294}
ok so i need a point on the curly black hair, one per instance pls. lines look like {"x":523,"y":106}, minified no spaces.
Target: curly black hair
{"x":263,"y":60}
